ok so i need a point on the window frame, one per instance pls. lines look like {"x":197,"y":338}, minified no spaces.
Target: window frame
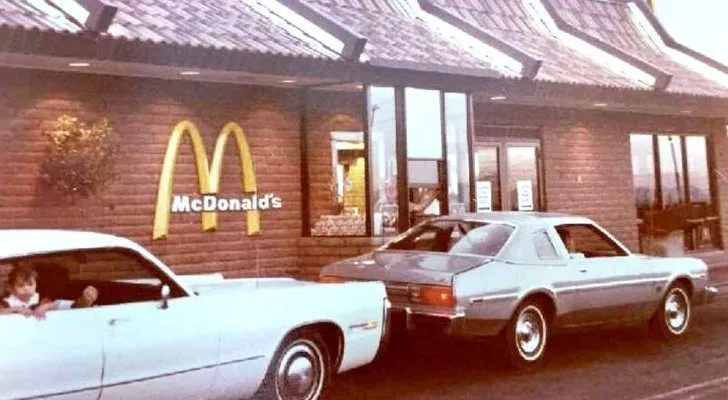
{"x":659,"y":204}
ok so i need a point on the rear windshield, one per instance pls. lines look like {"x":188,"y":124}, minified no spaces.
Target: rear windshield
{"x":483,"y":239}
{"x":455,"y":236}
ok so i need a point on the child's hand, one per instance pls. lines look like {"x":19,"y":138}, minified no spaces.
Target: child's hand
{"x":40,"y":312}
{"x":90,"y":294}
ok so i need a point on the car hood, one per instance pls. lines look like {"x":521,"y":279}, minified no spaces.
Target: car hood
{"x":405,"y":266}
{"x":245,"y":284}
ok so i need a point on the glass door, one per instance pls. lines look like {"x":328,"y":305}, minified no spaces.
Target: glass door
{"x":508,"y":176}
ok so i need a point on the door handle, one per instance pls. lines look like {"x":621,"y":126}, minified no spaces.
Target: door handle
{"x":583,"y":270}
{"x":117,"y":321}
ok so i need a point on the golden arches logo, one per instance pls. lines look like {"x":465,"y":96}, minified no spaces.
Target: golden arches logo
{"x":208,"y":175}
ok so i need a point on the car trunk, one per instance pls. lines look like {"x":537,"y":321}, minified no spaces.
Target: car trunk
{"x":396,"y":268}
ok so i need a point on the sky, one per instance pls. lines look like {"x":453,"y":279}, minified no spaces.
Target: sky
{"x":698,"y":24}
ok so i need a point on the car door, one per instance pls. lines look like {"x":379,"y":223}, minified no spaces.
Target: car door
{"x":610,"y":285}
{"x":59,"y":358}
{"x":152,"y":348}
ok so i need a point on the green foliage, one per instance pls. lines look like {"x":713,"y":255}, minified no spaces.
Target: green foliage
{"x":79,"y":159}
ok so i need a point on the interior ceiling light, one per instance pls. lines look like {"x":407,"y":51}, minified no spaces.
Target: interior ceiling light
{"x":288,"y":81}
{"x":498,"y":98}
{"x":600,"y":104}
{"x":189,"y":73}
{"x":78,"y":64}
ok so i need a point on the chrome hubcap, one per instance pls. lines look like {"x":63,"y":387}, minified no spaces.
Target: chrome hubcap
{"x":300,"y":375}
{"x":677,"y":311}
{"x":530,"y":332}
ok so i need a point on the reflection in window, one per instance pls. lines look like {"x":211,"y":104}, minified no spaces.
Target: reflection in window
{"x":698,"y":169}
{"x":488,"y":179}
{"x":643,"y":172}
{"x":383,"y":160}
{"x":671,"y":170}
{"x":424,"y":128}
{"x":456,"y":133}
{"x":523,"y":178}
{"x":674,"y":202}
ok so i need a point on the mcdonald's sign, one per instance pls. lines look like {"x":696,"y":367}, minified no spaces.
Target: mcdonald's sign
{"x":208,"y":176}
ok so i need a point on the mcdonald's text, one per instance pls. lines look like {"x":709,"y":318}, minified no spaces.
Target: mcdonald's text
{"x":214,"y":203}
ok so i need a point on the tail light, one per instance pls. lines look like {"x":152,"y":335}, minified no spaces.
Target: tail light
{"x":330,"y":279}
{"x":433,"y":295}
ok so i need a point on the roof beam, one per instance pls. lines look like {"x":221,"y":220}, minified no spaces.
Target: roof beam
{"x":100,"y":15}
{"x":671,"y":42}
{"x":662,"y":78}
{"x":531,"y":65}
{"x":353,"y":43}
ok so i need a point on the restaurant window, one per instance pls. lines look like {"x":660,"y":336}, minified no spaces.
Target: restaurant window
{"x":347,"y":188}
{"x":458,"y":165}
{"x":383,"y":160}
{"x":673,"y":193}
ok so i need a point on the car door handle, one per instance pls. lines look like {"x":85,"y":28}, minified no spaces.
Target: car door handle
{"x":117,"y":321}
{"x":583,"y":270}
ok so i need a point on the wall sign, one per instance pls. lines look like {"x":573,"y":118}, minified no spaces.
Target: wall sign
{"x":525,"y":195}
{"x":484,"y":198}
{"x":208,"y":176}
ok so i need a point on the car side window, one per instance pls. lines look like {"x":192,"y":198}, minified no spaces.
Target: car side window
{"x":588,"y":240}
{"x":118,"y":275}
{"x":544,"y":247}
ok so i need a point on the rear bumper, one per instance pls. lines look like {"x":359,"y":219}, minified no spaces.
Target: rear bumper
{"x":706,"y":296}
{"x":437,"y":323}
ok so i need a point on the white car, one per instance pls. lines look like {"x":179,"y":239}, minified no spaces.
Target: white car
{"x":155,"y":335}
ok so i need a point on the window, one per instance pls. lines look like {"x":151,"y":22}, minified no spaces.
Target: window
{"x":424,"y":127}
{"x":119,"y":275}
{"x":346,"y":212}
{"x":508,"y":175}
{"x":544,"y":248}
{"x":435,"y":236}
{"x":673,"y":193}
{"x":456,"y":135}
{"x":483,"y":239}
{"x":588,"y":240}
{"x":383,"y":160}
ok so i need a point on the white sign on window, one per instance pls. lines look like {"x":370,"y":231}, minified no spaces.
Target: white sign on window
{"x":483,"y":190}
{"x":525,"y":195}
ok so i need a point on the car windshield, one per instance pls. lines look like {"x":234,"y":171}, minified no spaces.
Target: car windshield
{"x":455,"y":236}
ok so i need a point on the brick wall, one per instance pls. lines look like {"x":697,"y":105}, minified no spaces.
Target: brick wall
{"x":587,"y":158}
{"x":143,"y":113}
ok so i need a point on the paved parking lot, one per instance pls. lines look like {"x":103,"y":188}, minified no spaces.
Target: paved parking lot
{"x":607,"y":364}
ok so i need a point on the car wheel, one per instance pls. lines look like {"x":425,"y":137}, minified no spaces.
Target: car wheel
{"x":672,"y":318}
{"x":299,"y":370}
{"x":526,"y":334}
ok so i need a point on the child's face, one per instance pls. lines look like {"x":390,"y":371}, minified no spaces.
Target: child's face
{"x":24,"y":289}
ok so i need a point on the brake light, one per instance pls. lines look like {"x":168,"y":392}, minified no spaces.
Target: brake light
{"x":330,"y":279}
{"x":436,"y":296}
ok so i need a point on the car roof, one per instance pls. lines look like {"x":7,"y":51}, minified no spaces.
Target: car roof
{"x":23,"y":242}
{"x":519,"y":217}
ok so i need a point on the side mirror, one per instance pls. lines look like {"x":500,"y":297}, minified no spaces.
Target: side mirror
{"x":164,"y":295}
{"x":576,"y":256}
